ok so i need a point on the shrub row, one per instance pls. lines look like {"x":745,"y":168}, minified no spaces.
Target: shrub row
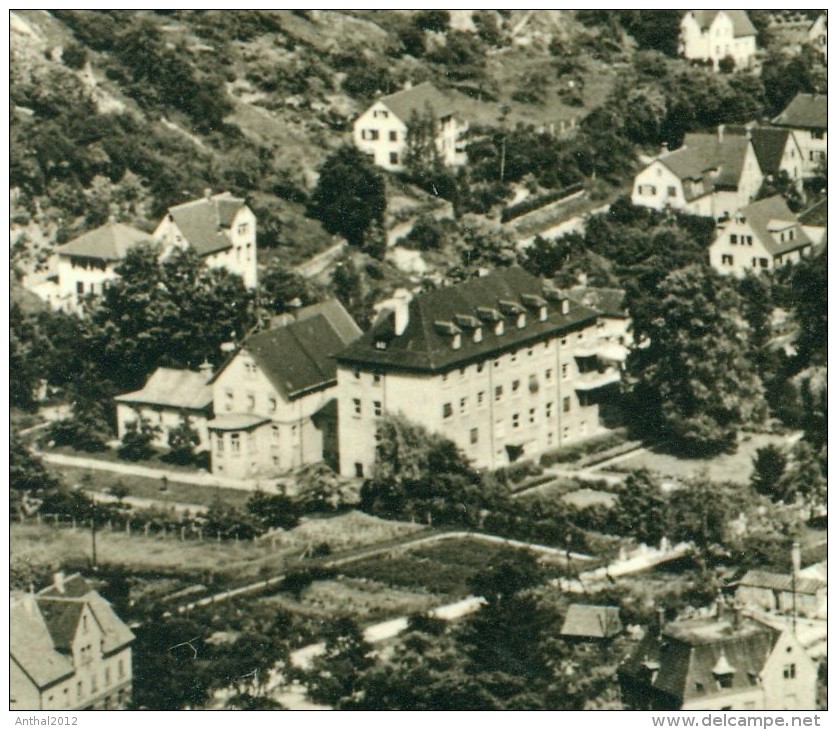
{"x":594,"y":445}
{"x":531,"y":204}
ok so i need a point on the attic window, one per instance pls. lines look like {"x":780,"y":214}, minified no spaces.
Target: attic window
{"x":542,"y":313}
{"x":499,"y":328}
{"x":565,"y":306}
{"x":457,"y":341}
{"x":478,"y":334}
{"x":521,"y":321}
{"x":380,"y":344}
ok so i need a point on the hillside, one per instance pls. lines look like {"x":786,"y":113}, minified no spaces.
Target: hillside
{"x":154,"y":107}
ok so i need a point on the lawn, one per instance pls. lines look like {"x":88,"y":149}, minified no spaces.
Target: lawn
{"x":735,"y":467}
{"x":102,"y":481}
{"x":445,"y":568}
{"x":366,"y":600}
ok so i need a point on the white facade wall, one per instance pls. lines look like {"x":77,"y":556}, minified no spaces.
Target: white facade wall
{"x":716,"y":42}
{"x":658,"y":187}
{"x":289,"y":440}
{"x":165,"y":418}
{"x":813,"y":145}
{"x":78,"y":277}
{"x":789,"y":677}
{"x":538,"y":406}
{"x":378,"y":132}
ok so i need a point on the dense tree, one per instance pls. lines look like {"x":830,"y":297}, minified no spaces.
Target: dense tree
{"x":700,"y":512}
{"x":136,"y":441}
{"x":680,"y":384}
{"x":656,"y":29}
{"x":641,"y":513}
{"x":768,"y":470}
{"x":26,"y":471}
{"x":182,"y":440}
{"x":804,"y":478}
{"x":350,"y":195}
{"x":809,"y":288}
{"x":434,"y":20}
{"x":281,"y":289}
{"x":335,"y":673}
{"x":274,"y":510}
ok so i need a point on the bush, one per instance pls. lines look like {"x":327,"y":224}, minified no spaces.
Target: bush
{"x":575,"y":452}
{"x":530,"y":204}
{"x":296,"y":581}
{"x":74,"y":56}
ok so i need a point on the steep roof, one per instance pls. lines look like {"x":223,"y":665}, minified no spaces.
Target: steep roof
{"x":707,"y":162}
{"x":610,"y":302}
{"x":596,"y":622}
{"x":172,"y":388}
{"x":31,"y":645}
{"x":339,"y":319}
{"x":110,"y":242}
{"x":806,"y":111}
{"x":680,"y":663}
{"x":765,"y":216}
{"x":741,"y":23}
{"x":417,"y":99}
{"x":816,"y":215}
{"x":426,"y":342}
{"x":780,"y":582}
{"x":43,"y":627}
{"x":204,"y":222}
{"x":768,"y":143}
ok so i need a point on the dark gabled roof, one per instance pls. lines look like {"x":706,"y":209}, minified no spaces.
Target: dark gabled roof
{"x":204,"y":222}
{"x":73,"y":587}
{"x":31,"y":645}
{"x":426,"y":343}
{"x":741,"y":23}
{"x":806,"y":111}
{"x":61,"y":618}
{"x":418,"y":99}
{"x":780,"y":582}
{"x":297,"y":358}
{"x":172,"y":388}
{"x":610,"y":302}
{"x":768,"y":143}
{"x":708,"y":162}
{"x":769,"y":213}
{"x":110,"y":242}
{"x":816,"y":215}
{"x":595,"y":622}
{"x":686,"y":654}
{"x":337,"y":316}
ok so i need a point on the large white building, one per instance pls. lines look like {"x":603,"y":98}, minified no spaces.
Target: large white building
{"x":381,"y":131}
{"x":503,"y":365}
{"x":712,"y":35}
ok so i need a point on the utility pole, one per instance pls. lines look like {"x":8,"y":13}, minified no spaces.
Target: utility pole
{"x":93,"y":536}
{"x":504,"y":112}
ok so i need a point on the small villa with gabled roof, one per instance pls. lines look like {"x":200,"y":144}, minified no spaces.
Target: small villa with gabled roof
{"x":761,"y":236}
{"x":807,"y":117}
{"x":220,"y":228}
{"x":713,"y":35}
{"x":381,"y":131}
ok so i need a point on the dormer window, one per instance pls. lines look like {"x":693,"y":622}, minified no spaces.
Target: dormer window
{"x":565,"y":306}
{"x":499,"y":328}
{"x":521,"y":321}
{"x":478,"y":334}
{"x":456,"y":343}
{"x":380,"y":344}
{"x":723,"y":672}
{"x":542,"y":313}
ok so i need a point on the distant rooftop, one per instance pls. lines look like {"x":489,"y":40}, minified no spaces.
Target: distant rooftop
{"x":110,"y":242}
{"x":806,"y":111}
{"x":204,"y":222}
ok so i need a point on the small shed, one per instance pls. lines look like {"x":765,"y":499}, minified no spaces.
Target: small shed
{"x":600,"y":623}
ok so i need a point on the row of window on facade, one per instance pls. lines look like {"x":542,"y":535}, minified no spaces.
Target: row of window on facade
{"x":447,"y":408}
{"x":91,"y":288}
{"x":93,"y":684}
{"x":252,"y":442}
{"x":250,"y":402}
{"x":671,"y":190}
{"x":373,"y":135}
{"x":727,"y":260}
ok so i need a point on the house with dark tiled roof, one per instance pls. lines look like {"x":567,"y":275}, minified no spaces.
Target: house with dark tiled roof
{"x":761,"y":236}
{"x":87,"y":264}
{"x":220,"y":228}
{"x":729,"y":661}
{"x":68,"y":650}
{"x":807,"y":117}
{"x":709,"y":175}
{"x":273,"y":400}
{"x":381,"y":131}
{"x":713,"y":35}
{"x":776,"y":150}
{"x":504,"y":365}
{"x":591,"y":623}
{"x":168,"y":397}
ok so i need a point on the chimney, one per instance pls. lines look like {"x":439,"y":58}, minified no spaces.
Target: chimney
{"x":661,"y":620}
{"x":796,"y":558}
{"x":582,"y":278}
{"x":207,"y":193}
{"x":401,"y":308}
{"x":206,"y":370}
{"x":664,"y":150}
{"x":408,"y":85}
{"x":721,"y":133}
{"x":58,"y":581}
{"x":565,"y":306}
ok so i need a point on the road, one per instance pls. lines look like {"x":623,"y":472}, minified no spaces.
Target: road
{"x":319,"y":263}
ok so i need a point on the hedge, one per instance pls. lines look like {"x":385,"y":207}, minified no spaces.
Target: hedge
{"x":530,"y":204}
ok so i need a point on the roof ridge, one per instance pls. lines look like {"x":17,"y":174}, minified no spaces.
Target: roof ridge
{"x":292,"y":332}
